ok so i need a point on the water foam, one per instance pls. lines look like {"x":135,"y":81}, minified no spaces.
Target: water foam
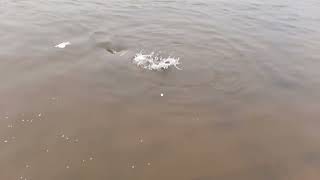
{"x":154,"y":61}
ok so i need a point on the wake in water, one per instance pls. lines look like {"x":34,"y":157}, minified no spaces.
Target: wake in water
{"x":154,"y":61}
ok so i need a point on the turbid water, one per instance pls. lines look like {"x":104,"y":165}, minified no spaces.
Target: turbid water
{"x":243,"y":104}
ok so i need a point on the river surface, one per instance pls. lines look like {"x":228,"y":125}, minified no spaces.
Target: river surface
{"x":243,"y":104}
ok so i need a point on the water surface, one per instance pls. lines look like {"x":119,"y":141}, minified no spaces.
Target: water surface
{"x":244,"y":106}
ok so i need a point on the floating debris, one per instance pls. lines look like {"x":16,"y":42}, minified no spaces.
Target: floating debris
{"x":63,"y":44}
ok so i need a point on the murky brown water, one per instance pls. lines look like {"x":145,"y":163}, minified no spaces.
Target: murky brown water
{"x":245,"y":106}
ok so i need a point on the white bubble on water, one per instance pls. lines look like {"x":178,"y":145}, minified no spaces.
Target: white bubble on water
{"x":62,"y":45}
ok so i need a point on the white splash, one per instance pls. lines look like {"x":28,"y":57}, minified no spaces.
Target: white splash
{"x":154,"y":61}
{"x":63,"y":44}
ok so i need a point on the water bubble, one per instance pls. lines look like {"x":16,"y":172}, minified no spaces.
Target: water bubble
{"x":62,"y":45}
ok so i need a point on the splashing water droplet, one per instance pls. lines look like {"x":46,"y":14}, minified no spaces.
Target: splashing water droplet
{"x":154,"y":61}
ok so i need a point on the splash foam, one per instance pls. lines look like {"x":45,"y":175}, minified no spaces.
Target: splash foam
{"x":154,"y":61}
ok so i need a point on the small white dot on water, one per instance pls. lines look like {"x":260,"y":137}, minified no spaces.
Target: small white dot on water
{"x":91,"y":158}
{"x":5,"y":141}
{"x":161,"y":94}
{"x":39,"y":115}
{"x":22,"y":120}
{"x":132,"y":166}
{"x":47,"y":150}
{"x":62,"y":135}
{"x":67,"y":167}
{"x":149,"y":164}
